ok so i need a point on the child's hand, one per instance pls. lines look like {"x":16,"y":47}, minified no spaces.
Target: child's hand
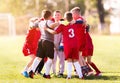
{"x":61,"y":47}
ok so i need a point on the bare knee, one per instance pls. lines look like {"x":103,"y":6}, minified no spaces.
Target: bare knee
{"x":89,"y":61}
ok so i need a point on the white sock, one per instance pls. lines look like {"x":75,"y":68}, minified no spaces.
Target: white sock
{"x":78,"y":69}
{"x":48,"y":65}
{"x":29,"y":68}
{"x":69,"y":69}
{"x":54,"y":66}
{"x":26,"y":68}
{"x":35,"y":64}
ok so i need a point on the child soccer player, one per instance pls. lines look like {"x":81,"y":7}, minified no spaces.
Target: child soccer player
{"x":70,"y":41}
{"x":76,"y":12}
{"x":31,"y":43}
{"x":45,"y":46}
{"x":58,"y":48}
{"x":87,"y":52}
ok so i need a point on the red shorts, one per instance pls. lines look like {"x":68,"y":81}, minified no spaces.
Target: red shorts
{"x":87,"y":52}
{"x":81,"y":46}
{"x":71,"y":52}
{"x":81,"y":43}
{"x":88,"y":49}
{"x":28,"y":50}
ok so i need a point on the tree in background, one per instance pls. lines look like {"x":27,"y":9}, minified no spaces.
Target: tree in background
{"x":22,"y":7}
{"x":79,"y":3}
{"x":95,"y":14}
{"x":34,"y":7}
{"x":12,"y":6}
{"x":101,"y":14}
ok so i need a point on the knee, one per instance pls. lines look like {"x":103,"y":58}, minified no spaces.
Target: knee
{"x":89,"y":62}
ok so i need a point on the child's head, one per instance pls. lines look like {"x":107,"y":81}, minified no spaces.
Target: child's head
{"x":76,"y":12}
{"x":68,"y":16}
{"x":57,"y":15}
{"x":46,"y":14}
{"x":33,"y":22}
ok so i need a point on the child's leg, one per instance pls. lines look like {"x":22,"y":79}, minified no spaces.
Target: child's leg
{"x":81,"y":60}
{"x":35,"y":63}
{"x":83,"y":65}
{"x":54,"y":61}
{"x":48,"y":65}
{"x":61,"y":61}
{"x":69,"y":68}
{"x":27,"y":67}
{"x":29,"y":63}
{"x":78,"y":69}
{"x":92,"y":64}
{"x":40,"y":66}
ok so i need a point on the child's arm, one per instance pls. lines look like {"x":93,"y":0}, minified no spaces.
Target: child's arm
{"x":53,"y":25}
{"x":50,"y":30}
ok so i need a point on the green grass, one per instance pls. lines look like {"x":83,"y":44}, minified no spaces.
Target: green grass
{"x":106,"y":56}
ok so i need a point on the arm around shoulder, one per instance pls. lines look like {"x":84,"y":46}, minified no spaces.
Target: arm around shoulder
{"x":51,"y":31}
{"x":53,"y":25}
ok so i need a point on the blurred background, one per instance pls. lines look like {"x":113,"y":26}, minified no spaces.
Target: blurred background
{"x":102,"y":15}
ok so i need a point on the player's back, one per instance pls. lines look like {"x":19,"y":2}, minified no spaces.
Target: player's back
{"x":89,"y":43}
{"x":32,"y":36}
{"x":80,"y":34}
{"x":44,"y":34}
{"x":70,"y":34}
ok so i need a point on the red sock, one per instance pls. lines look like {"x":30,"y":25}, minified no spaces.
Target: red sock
{"x":94,"y":67}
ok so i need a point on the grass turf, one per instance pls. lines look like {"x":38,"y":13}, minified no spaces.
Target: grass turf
{"x":106,"y":57}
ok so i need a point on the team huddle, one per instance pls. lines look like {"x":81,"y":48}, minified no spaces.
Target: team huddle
{"x":67,"y":38}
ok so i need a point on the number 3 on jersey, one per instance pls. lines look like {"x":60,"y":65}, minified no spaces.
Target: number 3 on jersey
{"x":71,"y":33}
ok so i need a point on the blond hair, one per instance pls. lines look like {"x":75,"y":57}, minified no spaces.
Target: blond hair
{"x":76,"y":10}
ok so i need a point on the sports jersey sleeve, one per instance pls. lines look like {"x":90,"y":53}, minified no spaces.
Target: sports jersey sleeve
{"x":79,"y":22}
{"x":60,"y":28}
{"x":49,"y":22}
{"x":29,"y":37}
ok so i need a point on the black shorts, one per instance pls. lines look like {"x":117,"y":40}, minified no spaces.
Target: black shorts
{"x":45,"y":49}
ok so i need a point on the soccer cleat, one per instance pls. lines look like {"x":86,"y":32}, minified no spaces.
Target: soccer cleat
{"x":31,"y":74}
{"x":25,"y":74}
{"x":46,"y":76}
{"x":98,"y":74}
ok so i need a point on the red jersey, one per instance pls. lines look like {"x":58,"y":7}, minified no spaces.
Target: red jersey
{"x":81,"y":34}
{"x":89,"y":43}
{"x":31,"y":42}
{"x":69,"y":33}
{"x":70,"y":39}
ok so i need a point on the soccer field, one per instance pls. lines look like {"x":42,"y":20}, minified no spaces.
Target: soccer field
{"x":106,"y":56}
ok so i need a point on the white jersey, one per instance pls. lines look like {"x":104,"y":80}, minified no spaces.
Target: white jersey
{"x":44,"y":34}
{"x":57,"y":40}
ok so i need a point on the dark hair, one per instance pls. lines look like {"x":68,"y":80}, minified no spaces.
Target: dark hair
{"x":68,"y":16}
{"x":46,"y":14}
{"x":57,"y":11}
